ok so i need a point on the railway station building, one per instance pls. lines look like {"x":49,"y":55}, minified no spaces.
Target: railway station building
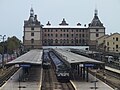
{"x":36,"y":35}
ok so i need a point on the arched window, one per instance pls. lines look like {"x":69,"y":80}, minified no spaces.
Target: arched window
{"x":51,"y":40}
{"x":64,"y":41}
{"x":72,"y":41}
{"x":67,"y":40}
{"x":56,"y":41}
{"x":61,"y":41}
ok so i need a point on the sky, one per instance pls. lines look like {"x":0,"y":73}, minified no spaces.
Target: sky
{"x":14,"y":12}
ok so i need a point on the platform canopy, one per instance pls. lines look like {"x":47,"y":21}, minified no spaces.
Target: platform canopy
{"x":75,"y":58}
{"x":33,"y":57}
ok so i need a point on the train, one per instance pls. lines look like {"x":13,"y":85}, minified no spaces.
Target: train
{"x":62,"y":71}
{"x":46,"y":60}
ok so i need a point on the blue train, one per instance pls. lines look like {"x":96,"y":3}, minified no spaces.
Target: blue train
{"x":62,"y":70}
{"x":46,"y":60}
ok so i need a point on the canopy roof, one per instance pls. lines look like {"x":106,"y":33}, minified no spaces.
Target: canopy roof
{"x":32,"y":57}
{"x":75,"y":58}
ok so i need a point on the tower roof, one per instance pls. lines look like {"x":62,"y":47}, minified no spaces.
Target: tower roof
{"x":63,"y":22}
{"x":32,"y":19}
{"x":96,"y":22}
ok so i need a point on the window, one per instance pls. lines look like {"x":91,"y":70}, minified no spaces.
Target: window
{"x":45,"y":41}
{"x":67,"y":35}
{"x":32,"y":46}
{"x":64,"y":35}
{"x":32,"y":40}
{"x":97,"y":30}
{"x":116,"y":46}
{"x":48,"y":35}
{"x":56,"y":35}
{"x":67,"y":41}
{"x":60,"y":40}
{"x":83,"y":35}
{"x":44,"y":34}
{"x":72,"y":41}
{"x":86,"y":35}
{"x":97,"y":35}
{"x":51,"y":35}
{"x":64,"y":41}
{"x":108,"y":43}
{"x":79,"y":40}
{"x":32,"y":34}
{"x":51,"y":30}
{"x":48,"y":30}
{"x":76,"y":41}
{"x":56,"y":41}
{"x":60,"y":35}
{"x":117,"y":39}
{"x":113,"y":49}
{"x":32,"y":28}
{"x":80,"y":35}
{"x":76,"y":35}
{"x":72,"y":35}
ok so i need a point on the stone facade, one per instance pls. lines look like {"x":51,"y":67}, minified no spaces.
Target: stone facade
{"x":109,"y":43}
{"x":32,"y":32}
{"x":37,"y":35}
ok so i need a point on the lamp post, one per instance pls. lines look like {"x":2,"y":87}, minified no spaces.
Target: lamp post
{"x":3,"y":38}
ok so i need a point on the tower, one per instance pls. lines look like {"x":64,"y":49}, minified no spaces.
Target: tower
{"x":32,"y":38}
{"x":96,"y":30}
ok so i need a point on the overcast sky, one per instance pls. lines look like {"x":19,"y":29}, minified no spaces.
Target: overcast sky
{"x":14,"y":12}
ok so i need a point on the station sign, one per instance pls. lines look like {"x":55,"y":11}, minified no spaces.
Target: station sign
{"x":25,"y":65}
{"x":89,"y":65}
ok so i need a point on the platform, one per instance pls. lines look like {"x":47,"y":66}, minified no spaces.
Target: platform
{"x":31,"y":82}
{"x":90,"y":85}
{"x":112,"y":69}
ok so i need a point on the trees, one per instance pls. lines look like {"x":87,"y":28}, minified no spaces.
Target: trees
{"x":10,"y":45}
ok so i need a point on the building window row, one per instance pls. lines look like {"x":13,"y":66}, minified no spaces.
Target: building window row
{"x":64,"y":35}
{"x":63,"y":41}
{"x":116,"y":38}
{"x":64,"y":30}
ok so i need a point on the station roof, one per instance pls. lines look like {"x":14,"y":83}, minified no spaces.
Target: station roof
{"x":33,"y":57}
{"x":75,"y":58}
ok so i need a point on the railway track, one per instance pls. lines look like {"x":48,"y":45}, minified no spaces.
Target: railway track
{"x":8,"y":73}
{"x":66,"y":86}
{"x":109,"y":77}
{"x":50,"y":81}
{"x":112,"y":74}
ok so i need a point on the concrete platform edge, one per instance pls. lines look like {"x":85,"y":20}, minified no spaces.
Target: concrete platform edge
{"x":73,"y":84}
